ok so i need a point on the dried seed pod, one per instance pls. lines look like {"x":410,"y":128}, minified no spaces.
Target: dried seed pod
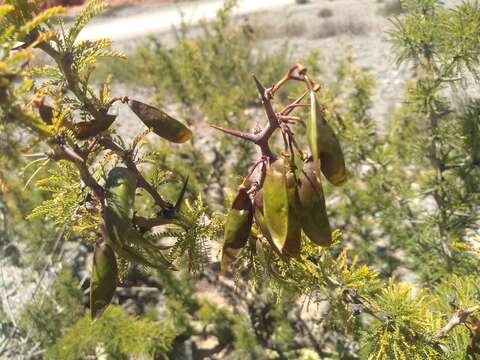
{"x":103,"y":280}
{"x":258,"y":202}
{"x":82,"y":130}
{"x":45,"y":111}
{"x":237,"y":228}
{"x":87,"y":129}
{"x":312,"y":210}
{"x":124,"y":238}
{"x":325,"y":145}
{"x":163,"y":124}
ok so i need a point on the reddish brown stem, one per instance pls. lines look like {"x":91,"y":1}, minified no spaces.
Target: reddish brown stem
{"x":62,"y":152}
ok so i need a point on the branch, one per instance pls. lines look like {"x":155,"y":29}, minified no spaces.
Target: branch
{"x":459,"y":317}
{"x":62,"y":152}
{"x":261,"y":139}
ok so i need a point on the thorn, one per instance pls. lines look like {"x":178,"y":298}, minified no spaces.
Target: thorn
{"x":180,"y":196}
{"x":260,"y":87}
{"x":272,"y":118}
{"x":293,"y":105}
{"x":236,"y":133}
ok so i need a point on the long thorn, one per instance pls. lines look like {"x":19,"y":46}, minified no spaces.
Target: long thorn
{"x":288,"y":109}
{"x":181,"y":195}
{"x":272,"y":118}
{"x":236,"y":133}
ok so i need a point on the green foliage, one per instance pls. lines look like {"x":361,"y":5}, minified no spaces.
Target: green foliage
{"x":116,"y":335}
{"x":401,"y":335}
{"x":191,"y":247}
{"x":435,"y":121}
{"x":46,"y":317}
{"x":66,"y":206}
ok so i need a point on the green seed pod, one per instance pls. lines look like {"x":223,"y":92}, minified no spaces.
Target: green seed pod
{"x":312,"y":209}
{"x":163,"y":124}
{"x":294,"y":235}
{"x":275,"y":203}
{"x":120,"y":191}
{"x":103,"y":280}
{"x":325,"y":145}
{"x":280,"y":198}
{"x":124,"y":238}
{"x":258,"y":214}
{"x":237,"y":228}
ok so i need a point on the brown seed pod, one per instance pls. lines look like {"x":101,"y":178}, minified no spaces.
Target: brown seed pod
{"x":325,"y":145}
{"x":82,"y":130}
{"x":162,"y":124}
{"x":237,"y":228}
{"x":87,"y":129}
{"x":312,"y":210}
{"x":45,"y":111}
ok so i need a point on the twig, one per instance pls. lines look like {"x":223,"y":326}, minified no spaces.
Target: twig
{"x":62,"y":152}
{"x":459,"y":317}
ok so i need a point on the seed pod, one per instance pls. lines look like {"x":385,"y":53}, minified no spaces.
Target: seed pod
{"x":279,"y":201}
{"x":82,"y":130}
{"x":88,"y":129}
{"x":124,"y":238}
{"x":258,"y":201}
{"x":325,"y":145}
{"x":275,"y":203}
{"x":163,"y":124}
{"x":103,"y":279}
{"x":120,"y":191}
{"x":294,"y":234}
{"x":237,"y":228}
{"x":259,"y":217}
{"x":312,"y":209}
{"x":45,"y":111}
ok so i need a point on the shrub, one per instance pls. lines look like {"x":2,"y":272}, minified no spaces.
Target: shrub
{"x":341,"y":26}
{"x":391,"y":8}
{"x":325,"y":13}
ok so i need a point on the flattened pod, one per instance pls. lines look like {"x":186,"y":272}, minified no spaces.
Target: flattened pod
{"x":120,"y":194}
{"x":87,"y":129}
{"x":312,"y":209}
{"x":325,"y":145}
{"x":294,"y":233}
{"x":275,"y":203}
{"x":258,"y":214}
{"x":120,"y":191}
{"x":163,"y":124}
{"x":103,"y":279}
{"x":237,"y":228}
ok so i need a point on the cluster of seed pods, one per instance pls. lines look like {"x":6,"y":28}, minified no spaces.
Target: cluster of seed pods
{"x":288,"y":196}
